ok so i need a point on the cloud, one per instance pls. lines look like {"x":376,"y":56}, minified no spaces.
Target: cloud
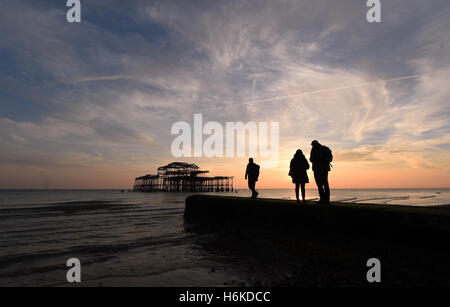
{"x":357,"y":155}
{"x":112,"y":86}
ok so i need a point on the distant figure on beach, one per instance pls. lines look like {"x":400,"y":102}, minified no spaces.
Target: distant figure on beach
{"x":321,"y":157}
{"x":297,"y":170}
{"x":252,"y":173}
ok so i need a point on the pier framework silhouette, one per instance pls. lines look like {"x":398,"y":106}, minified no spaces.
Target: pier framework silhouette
{"x":183,"y":177}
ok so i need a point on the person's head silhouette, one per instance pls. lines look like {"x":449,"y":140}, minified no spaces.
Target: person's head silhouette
{"x":250,"y":160}
{"x":315,"y":143}
{"x":298,"y":153}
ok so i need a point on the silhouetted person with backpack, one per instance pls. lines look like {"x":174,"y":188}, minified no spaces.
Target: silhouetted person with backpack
{"x":321,"y":157}
{"x":252,"y":173}
{"x":297,"y":170}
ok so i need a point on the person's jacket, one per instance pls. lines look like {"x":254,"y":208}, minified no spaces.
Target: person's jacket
{"x":298,"y":167}
{"x":252,"y":171}
{"x":317,"y":159}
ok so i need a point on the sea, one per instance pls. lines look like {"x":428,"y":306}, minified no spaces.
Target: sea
{"x":126,"y":238}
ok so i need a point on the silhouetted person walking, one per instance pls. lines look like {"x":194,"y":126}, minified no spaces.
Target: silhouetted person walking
{"x":297,"y":170}
{"x":321,"y":157}
{"x":252,"y":173}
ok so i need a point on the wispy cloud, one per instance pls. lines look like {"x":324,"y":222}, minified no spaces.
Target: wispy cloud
{"x":109,"y":89}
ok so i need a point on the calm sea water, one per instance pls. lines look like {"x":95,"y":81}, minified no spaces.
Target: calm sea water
{"x":132,"y":239}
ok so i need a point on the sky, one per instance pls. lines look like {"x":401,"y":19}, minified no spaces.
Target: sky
{"x":91,"y":104}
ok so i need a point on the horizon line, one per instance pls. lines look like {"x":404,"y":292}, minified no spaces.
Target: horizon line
{"x":126,"y":189}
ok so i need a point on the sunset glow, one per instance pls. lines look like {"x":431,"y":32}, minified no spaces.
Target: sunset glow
{"x":91,"y":105}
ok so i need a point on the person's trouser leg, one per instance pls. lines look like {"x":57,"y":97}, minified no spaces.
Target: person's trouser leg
{"x":326,"y":187}
{"x":297,"y":186}
{"x":303,"y":192}
{"x":251,"y":186}
{"x":319,"y":181}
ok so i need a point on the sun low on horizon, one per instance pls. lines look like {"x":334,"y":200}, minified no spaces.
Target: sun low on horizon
{"x":93,"y":104}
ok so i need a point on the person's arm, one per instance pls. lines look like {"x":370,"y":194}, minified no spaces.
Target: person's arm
{"x":246,"y":173}
{"x":257,"y":172}
{"x":312,"y":157}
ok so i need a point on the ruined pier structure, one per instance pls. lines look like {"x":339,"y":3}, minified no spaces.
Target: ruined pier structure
{"x":182,"y":177}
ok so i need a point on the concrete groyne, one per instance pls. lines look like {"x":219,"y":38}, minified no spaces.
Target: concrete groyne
{"x":221,"y":213}
{"x":326,"y":245}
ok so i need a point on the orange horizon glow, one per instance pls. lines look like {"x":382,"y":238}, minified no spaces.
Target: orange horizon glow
{"x":344,"y":175}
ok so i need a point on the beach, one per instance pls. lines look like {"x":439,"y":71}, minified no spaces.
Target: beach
{"x":141,"y":239}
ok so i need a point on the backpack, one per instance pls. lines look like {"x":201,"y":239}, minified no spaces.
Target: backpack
{"x":327,"y":154}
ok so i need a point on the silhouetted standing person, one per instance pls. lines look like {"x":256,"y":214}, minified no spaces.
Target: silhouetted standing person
{"x":321,"y":157}
{"x":297,"y":170}
{"x":252,"y":173}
